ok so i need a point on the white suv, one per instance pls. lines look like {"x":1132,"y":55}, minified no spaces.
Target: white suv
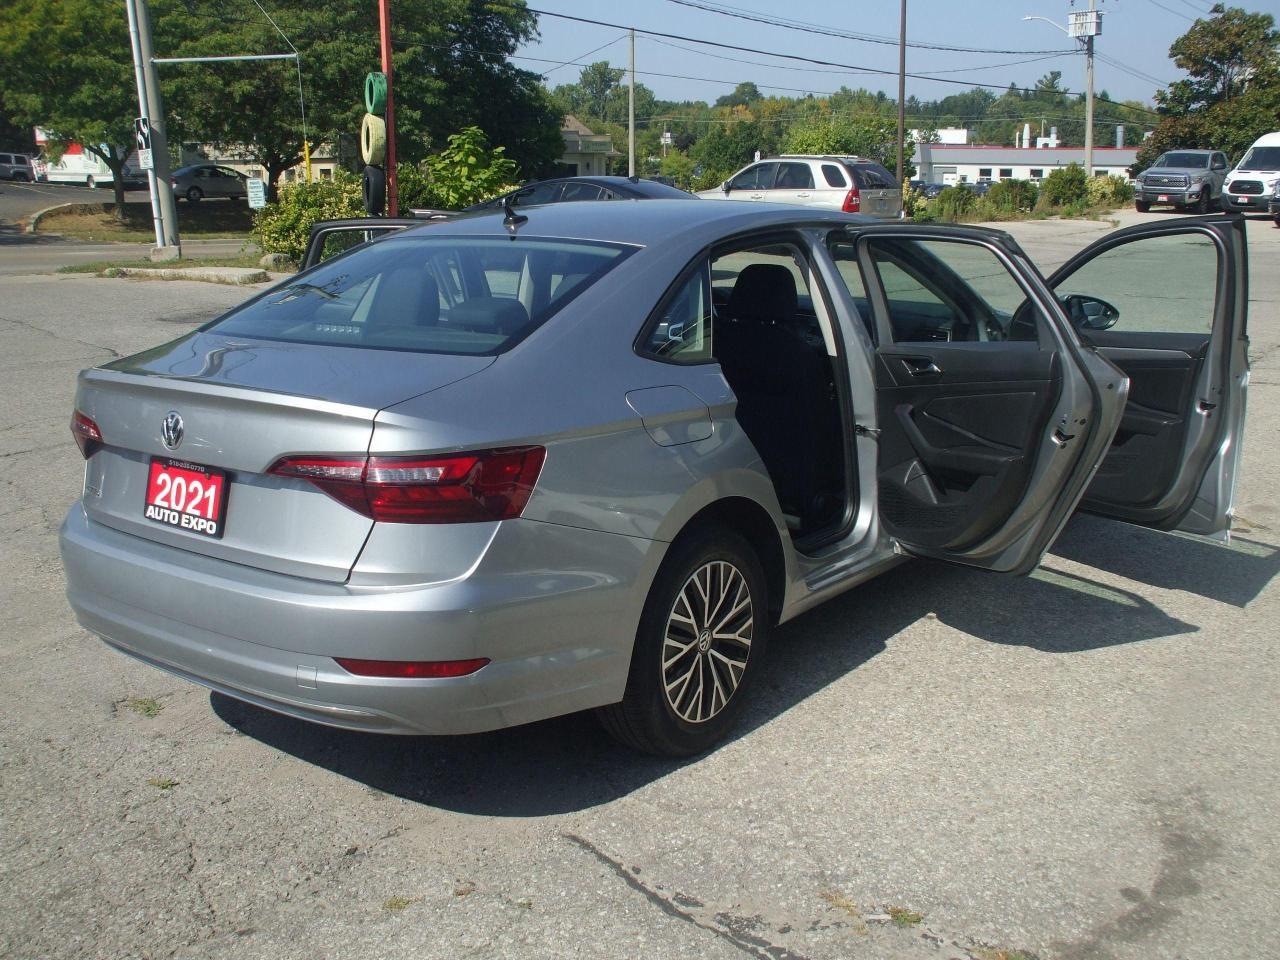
{"x":851,"y":184}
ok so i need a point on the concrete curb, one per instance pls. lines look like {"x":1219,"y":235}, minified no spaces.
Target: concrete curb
{"x":34,"y":220}
{"x":235,"y":276}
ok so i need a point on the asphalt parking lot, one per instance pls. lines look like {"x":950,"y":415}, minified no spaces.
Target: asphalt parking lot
{"x":1080,"y":764}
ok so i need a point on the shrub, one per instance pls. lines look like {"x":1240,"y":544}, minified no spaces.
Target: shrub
{"x":1011,"y":197}
{"x":285,"y":225}
{"x":1064,"y":186}
{"x":913,"y":201}
{"x":954,"y":204}
{"x":1109,"y":191}
{"x":468,"y":171}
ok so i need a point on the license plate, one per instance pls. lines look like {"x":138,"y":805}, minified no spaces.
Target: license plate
{"x":186,"y":495}
{"x":1163,"y":198}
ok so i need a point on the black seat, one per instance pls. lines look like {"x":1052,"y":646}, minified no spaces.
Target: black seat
{"x":407,"y":296}
{"x":783,"y":386}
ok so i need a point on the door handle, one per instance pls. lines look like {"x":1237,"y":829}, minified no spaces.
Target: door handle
{"x":803,"y":196}
{"x":922,"y":367}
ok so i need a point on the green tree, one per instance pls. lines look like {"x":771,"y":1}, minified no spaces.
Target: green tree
{"x":452,"y":70}
{"x":870,"y":135}
{"x":1231,"y":95}
{"x":73,"y":80}
{"x":744,"y":94}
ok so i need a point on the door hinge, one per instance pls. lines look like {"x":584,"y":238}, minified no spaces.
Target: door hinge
{"x":862,"y":430}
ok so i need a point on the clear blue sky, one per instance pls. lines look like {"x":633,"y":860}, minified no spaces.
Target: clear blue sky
{"x":1136,"y":36}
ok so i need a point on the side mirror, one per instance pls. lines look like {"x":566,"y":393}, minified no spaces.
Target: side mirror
{"x":725,"y":187}
{"x":1090,"y":313}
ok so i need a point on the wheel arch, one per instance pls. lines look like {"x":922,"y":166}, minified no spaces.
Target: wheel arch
{"x":751,"y":521}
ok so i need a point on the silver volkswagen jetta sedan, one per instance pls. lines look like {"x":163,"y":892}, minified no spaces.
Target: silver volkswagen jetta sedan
{"x":492,"y":470}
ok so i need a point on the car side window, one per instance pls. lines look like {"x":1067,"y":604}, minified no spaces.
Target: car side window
{"x":759,"y":177}
{"x":950,"y":290}
{"x":794,"y":176}
{"x":538,"y":193}
{"x":580,"y":191}
{"x":833,"y":175}
{"x":1160,"y":284}
{"x":681,"y":330}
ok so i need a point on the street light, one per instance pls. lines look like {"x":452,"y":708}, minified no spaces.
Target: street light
{"x":1085,"y":25}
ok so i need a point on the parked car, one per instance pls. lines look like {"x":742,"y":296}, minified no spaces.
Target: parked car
{"x":931,"y":190}
{"x":849,"y":184}
{"x":1252,"y":185}
{"x":207,"y":180}
{"x":573,"y":189}
{"x":1187,"y":179}
{"x":16,"y":166}
{"x":503,"y":467}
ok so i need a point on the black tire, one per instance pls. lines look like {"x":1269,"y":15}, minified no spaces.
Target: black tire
{"x":1141,"y":206}
{"x":646,"y":719}
{"x":194,"y":194}
{"x":90,"y":182}
{"x":1276,"y":219}
{"x":374,"y":190}
{"x":1206,"y":203}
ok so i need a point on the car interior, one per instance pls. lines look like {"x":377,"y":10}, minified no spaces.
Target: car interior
{"x":772,"y":352}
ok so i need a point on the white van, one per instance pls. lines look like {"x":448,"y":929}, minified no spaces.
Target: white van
{"x":1252,"y":185}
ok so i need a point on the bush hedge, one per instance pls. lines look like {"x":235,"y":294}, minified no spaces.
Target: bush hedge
{"x":1065,"y":186}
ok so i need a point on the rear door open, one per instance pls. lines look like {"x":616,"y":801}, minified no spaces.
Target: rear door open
{"x":991,"y":414}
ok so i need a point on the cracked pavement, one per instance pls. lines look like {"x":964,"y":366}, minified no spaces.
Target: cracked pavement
{"x":1081,"y":764}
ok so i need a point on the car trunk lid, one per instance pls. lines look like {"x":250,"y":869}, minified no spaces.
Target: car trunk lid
{"x":244,"y":405}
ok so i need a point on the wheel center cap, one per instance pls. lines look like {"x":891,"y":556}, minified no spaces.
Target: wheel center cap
{"x":704,"y":641}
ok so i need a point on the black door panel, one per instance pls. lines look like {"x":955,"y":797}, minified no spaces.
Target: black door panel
{"x":1146,"y":453}
{"x":959,"y":424}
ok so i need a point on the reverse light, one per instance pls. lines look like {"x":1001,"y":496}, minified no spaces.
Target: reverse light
{"x":455,"y":488}
{"x":411,"y":669}
{"x":87,"y":435}
{"x":852,"y":201}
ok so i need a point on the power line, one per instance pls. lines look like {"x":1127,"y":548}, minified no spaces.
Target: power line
{"x":1176,"y":13}
{"x":779,"y":66}
{"x":577,"y":60}
{"x":791,"y":56}
{"x":739,"y":13}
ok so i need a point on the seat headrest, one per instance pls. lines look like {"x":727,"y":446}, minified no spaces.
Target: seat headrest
{"x":764,"y":293}
{"x":489,"y":315}
{"x":407,"y":296}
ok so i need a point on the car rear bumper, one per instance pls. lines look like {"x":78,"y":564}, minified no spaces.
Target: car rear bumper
{"x":559,"y":633}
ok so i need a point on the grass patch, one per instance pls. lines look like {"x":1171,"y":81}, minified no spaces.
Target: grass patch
{"x":98,"y":266}
{"x":162,"y":783}
{"x":210,"y":219}
{"x":398,"y":903}
{"x":902,"y":917}
{"x":144,"y":706}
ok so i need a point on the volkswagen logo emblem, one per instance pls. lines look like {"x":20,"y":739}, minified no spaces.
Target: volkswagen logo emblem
{"x":171,"y":430}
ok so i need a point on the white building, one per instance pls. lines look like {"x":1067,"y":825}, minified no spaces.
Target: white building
{"x":971,"y":163}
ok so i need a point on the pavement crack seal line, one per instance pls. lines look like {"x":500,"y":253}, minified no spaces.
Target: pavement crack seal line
{"x":59,"y":336}
{"x":749,"y":944}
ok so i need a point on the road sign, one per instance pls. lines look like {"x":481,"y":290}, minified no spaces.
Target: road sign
{"x":257,"y":193}
{"x":667,"y":138}
{"x":142,"y":138}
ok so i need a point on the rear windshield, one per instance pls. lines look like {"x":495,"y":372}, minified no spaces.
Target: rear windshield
{"x":1190,"y":161}
{"x":428,"y":294}
{"x":1261,"y":158}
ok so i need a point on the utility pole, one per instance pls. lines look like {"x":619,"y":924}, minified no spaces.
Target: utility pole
{"x":1088,"y":95}
{"x":157,"y":218}
{"x":151,"y":105}
{"x":384,"y":26}
{"x":631,"y":112}
{"x":902,"y":89}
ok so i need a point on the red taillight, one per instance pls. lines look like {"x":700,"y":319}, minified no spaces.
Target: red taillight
{"x":852,"y":201}
{"x":411,"y":669}
{"x":88,"y":436}
{"x":457,"y":488}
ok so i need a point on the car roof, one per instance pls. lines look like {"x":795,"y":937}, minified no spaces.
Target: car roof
{"x":640,"y":223}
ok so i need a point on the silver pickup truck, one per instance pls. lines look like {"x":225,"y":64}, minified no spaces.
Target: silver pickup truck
{"x":1187,"y":179}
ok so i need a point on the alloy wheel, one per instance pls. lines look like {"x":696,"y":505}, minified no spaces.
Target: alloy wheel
{"x":707,"y":641}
